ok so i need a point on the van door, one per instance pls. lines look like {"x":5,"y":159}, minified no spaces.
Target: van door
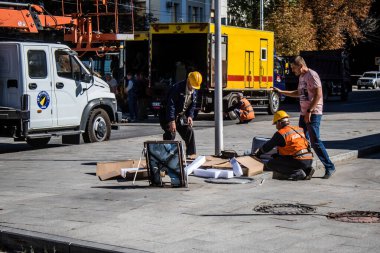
{"x":264,"y":64}
{"x":38,"y":86}
{"x":69,"y":86}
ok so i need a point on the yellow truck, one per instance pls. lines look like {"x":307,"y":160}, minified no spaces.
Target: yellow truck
{"x":247,"y":62}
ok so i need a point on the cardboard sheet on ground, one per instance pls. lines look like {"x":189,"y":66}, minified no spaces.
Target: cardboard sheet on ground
{"x":252,"y":166}
{"x":109,"y":170}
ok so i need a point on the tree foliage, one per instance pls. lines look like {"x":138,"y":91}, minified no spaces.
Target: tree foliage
{"x":292,"y":32}
{"x":243,"y":13}
{"x":307,"y":24}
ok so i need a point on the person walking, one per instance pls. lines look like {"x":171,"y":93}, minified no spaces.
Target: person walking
{"x":177,"y":112}
{"x":294,"y":159}
{"x":310,"y":95}
{"x":243,"y":109}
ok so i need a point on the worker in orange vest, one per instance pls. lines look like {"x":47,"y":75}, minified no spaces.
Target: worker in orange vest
{"x":294,"y":158}
{"x":243,"y":109}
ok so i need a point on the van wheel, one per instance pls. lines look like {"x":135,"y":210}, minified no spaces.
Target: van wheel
{"x":232,"y":101}
{"x":38,"y":142}
{"x":98,"y":127}
{"x":274,"y":103}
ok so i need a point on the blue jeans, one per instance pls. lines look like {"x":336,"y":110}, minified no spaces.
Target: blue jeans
{"x":312,"y":133}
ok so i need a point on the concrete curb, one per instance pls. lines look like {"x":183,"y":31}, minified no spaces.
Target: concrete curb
{"x":341,"y":158}
{"x":20,"y":240}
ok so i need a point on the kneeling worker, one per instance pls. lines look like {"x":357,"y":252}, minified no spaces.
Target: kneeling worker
{"x":294,"y":159}
{"x":243,"y":109}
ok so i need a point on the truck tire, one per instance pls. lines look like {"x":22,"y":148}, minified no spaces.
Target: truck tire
{"x":98,"y":127}
{"x":38,"y":142}
{"x":232,"y":101}
{"x":274,"y":103}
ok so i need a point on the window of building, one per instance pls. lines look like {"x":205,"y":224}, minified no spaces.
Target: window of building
{"x":175,"y":12}
{"x":195,"y":14}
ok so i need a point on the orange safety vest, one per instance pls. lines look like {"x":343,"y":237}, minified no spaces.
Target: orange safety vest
{"x":296,"y":144}
{"x":246,"y":110}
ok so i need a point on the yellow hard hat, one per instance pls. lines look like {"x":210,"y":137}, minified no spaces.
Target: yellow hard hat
{"x":279,"y":115}
{"x":195,"y":79}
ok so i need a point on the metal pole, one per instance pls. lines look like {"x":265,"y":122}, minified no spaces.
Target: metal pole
{"x":262,"y":14}
{"x":218,"y":82}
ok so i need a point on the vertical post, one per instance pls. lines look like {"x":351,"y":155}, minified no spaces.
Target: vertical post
{"x":262,"y":14}
{"x":218,"y":82}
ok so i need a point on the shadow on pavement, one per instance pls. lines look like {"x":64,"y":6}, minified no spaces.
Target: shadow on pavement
{"x":90,"y":163}
{"x":259,"y":214}
{"x":352,"y":144}
{"x":17,"y":147}
{"x":122,"y":187}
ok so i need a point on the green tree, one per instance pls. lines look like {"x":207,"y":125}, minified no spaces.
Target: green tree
{"x":244,"y":13}
{"x":307,"y":24}
{"x":340,"y":23}
{"x":292,"y":32}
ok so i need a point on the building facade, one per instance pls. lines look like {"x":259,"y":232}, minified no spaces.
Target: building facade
{"x":182,"y":11}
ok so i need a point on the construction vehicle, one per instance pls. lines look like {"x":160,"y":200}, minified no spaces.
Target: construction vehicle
{"x":45,"y":90}
{"x":88,"y":25}
{"x":333,"y":69}
{"x":247,"y":62}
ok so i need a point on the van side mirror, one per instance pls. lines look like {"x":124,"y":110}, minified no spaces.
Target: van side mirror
{"x":91,"y":65}
{"x":87,"y":78}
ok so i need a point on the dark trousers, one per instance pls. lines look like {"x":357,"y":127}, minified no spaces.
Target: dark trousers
{"x":132,"y":106}
{"x":287,"y":165}
{"x":186,"y":133}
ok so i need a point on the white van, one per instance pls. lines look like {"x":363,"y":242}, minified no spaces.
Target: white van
{"x":45,"y":91}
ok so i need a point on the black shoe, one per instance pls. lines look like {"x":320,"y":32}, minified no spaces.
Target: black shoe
{"x":310,"y":174}
{"x":299,"y":175}
{"x":279,"y":176}
{"x":328,"y":174}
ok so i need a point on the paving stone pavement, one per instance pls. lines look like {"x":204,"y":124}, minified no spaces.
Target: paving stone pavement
{"x":51,"y":198}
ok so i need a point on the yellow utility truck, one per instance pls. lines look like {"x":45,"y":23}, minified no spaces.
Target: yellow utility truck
{"x":247,"y":62}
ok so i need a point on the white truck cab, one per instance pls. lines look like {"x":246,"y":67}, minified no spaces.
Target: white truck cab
{"x":45,"y":90}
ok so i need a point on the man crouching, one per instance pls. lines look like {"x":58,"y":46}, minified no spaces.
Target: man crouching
{"x":294,"y":159}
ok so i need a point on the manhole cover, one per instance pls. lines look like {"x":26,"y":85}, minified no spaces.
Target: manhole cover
{"x":284,"y":209}
{"x":235,"y":180}
{"x":356,"y":216}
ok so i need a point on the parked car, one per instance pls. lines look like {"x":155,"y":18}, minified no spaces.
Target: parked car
{"x":369,"y":79}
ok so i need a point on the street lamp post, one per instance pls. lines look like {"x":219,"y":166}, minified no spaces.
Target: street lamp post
{"x":218,"y":82}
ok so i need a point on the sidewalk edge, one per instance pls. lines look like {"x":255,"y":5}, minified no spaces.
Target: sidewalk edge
{"x":20,"y":239}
